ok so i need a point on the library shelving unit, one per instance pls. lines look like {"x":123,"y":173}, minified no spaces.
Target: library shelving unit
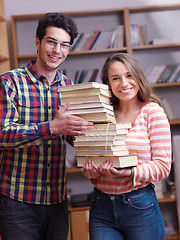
{"x":23,"y":37}
{"x":4,"y":50}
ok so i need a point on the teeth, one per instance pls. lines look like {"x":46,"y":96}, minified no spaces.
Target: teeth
{"x":127,"y":90}
{"x":53,"y":57}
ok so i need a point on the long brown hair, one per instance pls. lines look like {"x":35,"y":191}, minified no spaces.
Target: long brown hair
{"x":145,"y":93}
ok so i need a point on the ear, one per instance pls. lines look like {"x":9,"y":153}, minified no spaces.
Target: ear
{"x":109,"y":85}
{"x":38,"y":43}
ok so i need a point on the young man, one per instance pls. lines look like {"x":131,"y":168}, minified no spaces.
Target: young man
{"x":33,"y":135}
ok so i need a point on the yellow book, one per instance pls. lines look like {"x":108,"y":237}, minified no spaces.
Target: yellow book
{"x":85,"y":99}
{"x":118,"y":162}
{"x":102,"y":152}
{"x":100,"y":143}
{"x":100,"y":148}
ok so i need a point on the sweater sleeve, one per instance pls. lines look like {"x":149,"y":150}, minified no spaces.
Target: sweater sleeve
{"x":158,"y":166}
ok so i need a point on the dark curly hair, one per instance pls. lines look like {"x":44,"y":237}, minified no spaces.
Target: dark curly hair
{"x":59,"y":20}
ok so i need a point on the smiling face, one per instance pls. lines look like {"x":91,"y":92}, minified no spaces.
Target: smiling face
{"x":49,"y":58}
{"x":121,"y":82}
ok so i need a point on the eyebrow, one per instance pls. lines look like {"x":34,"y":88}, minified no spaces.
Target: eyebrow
{"x":57,"y":40}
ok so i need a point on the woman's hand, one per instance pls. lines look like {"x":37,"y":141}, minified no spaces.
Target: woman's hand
{"x":90,"y":170}
{"x":108,"y":171}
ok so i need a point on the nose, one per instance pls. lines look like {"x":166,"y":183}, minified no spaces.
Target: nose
{"x":57,"y":48}
{"x":124,"y":81}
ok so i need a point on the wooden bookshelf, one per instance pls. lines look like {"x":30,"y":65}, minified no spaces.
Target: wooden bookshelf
{"x":4,"y":49}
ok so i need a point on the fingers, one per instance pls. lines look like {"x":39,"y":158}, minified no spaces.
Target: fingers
{"x":90,"y":170}
{"x":64,"y":108}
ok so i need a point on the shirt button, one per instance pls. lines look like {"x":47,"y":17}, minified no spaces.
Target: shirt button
{"x":48,"y":165}
{"x":112,"y":198}
{"x":49,"y":107}
{"x":49,"y":145}
{"x":47,"y":183}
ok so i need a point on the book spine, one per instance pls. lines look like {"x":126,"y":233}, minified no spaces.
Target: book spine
{"x":92,"y":39}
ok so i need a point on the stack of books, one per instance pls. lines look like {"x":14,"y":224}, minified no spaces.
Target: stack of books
{"x":105,"y":141}
{"x":90,"y":101}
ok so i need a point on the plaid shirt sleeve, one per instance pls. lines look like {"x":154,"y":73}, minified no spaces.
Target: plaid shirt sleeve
{"x":12,"y":133}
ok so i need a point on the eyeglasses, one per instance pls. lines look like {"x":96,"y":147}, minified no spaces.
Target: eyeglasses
{"x":65,"y":47}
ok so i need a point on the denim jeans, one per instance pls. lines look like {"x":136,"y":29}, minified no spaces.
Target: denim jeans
{"x":130,"y":216}
{"x":23,"y":221}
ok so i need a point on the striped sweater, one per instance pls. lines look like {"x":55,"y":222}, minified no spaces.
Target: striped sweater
{"x":150,"y":139}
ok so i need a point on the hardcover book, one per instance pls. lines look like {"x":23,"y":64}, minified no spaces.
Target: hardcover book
{"x":118,"y":161}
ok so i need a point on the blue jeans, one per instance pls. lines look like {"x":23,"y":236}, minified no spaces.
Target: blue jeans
{"x":130,"y":216}
{"x":23,"y":221}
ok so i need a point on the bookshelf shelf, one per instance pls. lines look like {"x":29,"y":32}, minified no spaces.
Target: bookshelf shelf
{"x":150,"y":47}
{"x":73,"y":170}
{"x":160,"y":85}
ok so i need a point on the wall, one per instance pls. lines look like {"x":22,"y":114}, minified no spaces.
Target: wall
{"x":19,"y":7}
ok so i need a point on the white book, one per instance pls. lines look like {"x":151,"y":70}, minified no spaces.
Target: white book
{"x":90,"y":110}
{"x":118,"y":162}
{"x":103,"y":41}
{"x":173,"y":76}
{"x":83,"y":41}
{"x":119,"y":38}
{"x":83,"y":86}
{"x":90,"y":105}
{"x":155,"y":73}
{"x":98,"y":132}
{"x":100,"y":143}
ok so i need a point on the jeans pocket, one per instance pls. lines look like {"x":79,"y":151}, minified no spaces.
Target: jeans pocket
{"x":9,"y":205}
{"x":95,"y":198}
{"x":142,"y":202}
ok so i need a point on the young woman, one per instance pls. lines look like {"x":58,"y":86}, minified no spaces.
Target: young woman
{"x":124,"y":204}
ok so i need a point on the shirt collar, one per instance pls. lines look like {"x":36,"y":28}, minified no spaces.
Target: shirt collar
{"x":36,"y":76}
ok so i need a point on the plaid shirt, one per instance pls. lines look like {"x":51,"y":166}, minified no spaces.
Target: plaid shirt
{"x":32,"y":162}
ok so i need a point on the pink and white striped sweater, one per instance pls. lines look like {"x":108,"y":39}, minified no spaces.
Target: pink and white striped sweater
{"x":150,"y":139}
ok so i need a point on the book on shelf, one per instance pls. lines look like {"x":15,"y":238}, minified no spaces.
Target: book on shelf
{"x":143,"y":34}
{"x":93,"y":39}
{"x":103,"y":40}
{"x":158,"y":41}
{"x":118,"y":161}
{"x":138,"y":35}
{"x":154,"y":73}
{"x":119,"y":37}
{"x":80,"y":78}
{"x":164,"y":78}
{"x":135,"y":39}
{"x":77,"y":41}
{"x":167,"y":108}
{"x":175,"y":75}
{"x":82,"y":42}
{"x":87,"y":41}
